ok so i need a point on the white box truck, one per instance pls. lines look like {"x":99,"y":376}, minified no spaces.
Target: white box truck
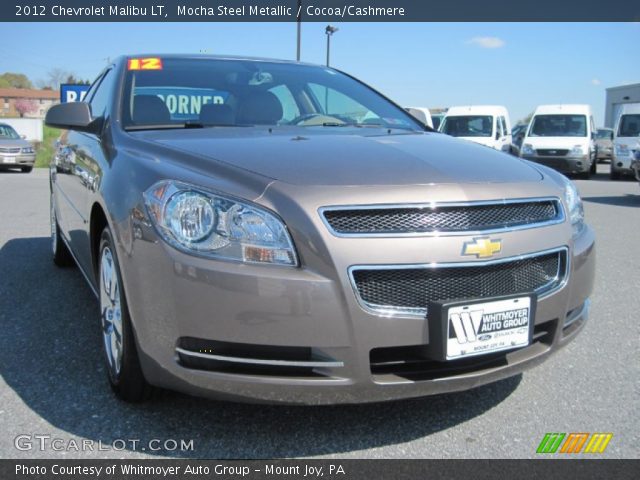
{"x":562,"y":137}
{"x":626,"y":139}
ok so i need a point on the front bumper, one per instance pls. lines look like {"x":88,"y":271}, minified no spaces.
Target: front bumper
{"x":622,"y":165}
{"x":562,"y":164}
{"x":17,"y":160}
{"x":173,"y":297}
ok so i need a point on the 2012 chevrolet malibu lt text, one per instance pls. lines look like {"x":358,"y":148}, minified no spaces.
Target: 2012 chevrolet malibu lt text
{"x":280,"y":232}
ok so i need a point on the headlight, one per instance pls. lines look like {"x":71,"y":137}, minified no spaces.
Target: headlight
{"x":622,"y":150}
{"x":577,"y":151}
{"x":204,"y":223}
{"x":28,"y":150}
{"x":527,"y":149}
{"x":574,"y":206}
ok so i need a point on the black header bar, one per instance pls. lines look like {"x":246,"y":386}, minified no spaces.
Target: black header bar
{"x":318,"y":11}
{"x":317,"y":469}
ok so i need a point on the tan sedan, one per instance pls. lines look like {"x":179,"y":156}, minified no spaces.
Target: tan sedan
{"x":275,"y":231}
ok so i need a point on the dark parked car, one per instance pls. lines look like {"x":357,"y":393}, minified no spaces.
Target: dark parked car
{"x":517,"y":135}
{"x":604,"y":144}
{"x":281,"y":232}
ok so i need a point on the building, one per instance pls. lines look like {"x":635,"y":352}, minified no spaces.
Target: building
{"x":616,"y":97}
{"x":12,"y":100}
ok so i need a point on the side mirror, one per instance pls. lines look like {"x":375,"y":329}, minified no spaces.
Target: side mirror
{"x":23,"y":137}
{"x":72,"y":116}
{"x":498,"y":135}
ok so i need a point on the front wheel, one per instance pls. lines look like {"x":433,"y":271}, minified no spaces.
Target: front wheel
{"x":594,"y":167}
{"x":120,"y":349}
{"x":614,"y":174}
{"x":26,"y":169}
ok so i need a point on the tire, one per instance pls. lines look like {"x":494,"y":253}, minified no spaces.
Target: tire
{"x":61,"y":255}
{"x":614,"y":175}
{"x":594,"y":167}
{"x":119,"y":344}
{"x":26,"y":169}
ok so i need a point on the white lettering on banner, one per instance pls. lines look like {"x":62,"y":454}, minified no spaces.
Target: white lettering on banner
{"x":188,"y":104}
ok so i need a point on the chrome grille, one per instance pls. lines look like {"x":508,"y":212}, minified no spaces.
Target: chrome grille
{"x":9,"y":150}
{"x":552,"y":152}
{"x":472,"y":217}
{"x":410,"y":289}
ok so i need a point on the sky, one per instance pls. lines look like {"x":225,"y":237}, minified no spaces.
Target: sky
{"x":518,"y":65}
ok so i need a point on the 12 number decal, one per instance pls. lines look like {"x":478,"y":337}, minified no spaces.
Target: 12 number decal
{"x":152,"y":63}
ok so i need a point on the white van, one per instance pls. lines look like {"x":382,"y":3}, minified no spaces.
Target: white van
{"x":487,"y":125}
{"x":562,"y":137}
{"x":421,"y":113}
{"x":626,"y":139}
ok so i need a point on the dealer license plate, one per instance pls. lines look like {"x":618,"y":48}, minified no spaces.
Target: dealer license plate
{"x":481,"y":328}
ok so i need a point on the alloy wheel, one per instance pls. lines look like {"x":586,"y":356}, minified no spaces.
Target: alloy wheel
{"x":111,"y":312}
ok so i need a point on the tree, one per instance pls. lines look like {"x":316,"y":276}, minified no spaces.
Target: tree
{"x":57,"y":76}
{"x":24,"y":106}
{"x":526,"y":120}
{"x":15,"y":80}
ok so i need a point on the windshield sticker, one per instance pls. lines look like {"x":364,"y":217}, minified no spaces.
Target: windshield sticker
{"x":184,"y":103}
{"x":151,"y":63}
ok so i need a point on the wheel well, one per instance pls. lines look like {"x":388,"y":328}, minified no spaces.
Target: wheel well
{"x":97,"y":223}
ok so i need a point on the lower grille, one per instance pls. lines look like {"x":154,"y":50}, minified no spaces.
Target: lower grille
{"x":410,"y":289}
{"x":552,"y":152}
{"x":413,"y":362}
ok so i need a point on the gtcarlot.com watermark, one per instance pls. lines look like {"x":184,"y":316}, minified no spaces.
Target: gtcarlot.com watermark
{"x":47,"y":443}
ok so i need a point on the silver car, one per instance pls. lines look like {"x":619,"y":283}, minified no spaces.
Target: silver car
{"x":274,"y":231}
{"x":15,"y":152}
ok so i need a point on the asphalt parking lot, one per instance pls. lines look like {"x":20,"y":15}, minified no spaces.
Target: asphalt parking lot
{"x":53,"y":382}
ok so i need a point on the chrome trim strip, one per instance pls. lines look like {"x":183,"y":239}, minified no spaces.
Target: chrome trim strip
{"x":580,"y":312}
{"x":443,"y":233}
{"x":392,"y":311}
{"x":260,"y":361}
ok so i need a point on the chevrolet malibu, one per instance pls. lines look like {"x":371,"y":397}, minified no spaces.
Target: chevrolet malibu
{"x":272,"y":231}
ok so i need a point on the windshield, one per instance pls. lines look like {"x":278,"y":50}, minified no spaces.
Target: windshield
{"x":629,"y":125}
{"x":468,"y":125}
{"x":559,"y":126}
{"x":604,"y":134}
{"x":179,"y":92}
{"x":7,"y":131}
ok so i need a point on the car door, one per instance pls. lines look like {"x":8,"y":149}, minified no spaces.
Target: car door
{"x":66,"y":189}
{"x":81,"y":174}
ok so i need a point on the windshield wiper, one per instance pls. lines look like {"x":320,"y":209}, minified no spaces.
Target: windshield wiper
{"x":168,"y":126}
{"x":176,"y":126}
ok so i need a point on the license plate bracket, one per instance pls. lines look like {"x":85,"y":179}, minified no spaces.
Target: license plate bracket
{"x":466,"y":328}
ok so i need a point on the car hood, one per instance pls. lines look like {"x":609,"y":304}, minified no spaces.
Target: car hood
{"x":13,"y":143}
{"x":349,"y":156}
{"x":486,"y":141}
